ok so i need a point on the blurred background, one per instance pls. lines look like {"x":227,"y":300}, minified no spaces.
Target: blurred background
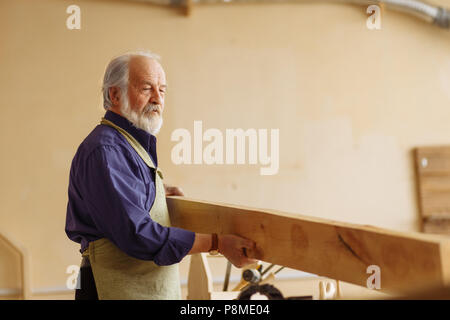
{"x":350,"y":104}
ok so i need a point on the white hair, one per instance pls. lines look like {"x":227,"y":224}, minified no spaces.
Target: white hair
{"x":116,"y":74}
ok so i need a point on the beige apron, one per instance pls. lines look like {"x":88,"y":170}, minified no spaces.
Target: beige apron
{"x":120,"y":276}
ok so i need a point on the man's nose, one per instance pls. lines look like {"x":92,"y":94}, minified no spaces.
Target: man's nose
{"x":156,"y":98}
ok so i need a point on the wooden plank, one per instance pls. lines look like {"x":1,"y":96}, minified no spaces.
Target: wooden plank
{"x":435,"y":183}
{"x":437,"y":226}
{"x":336,"y":250}
{"x":200,"y":281}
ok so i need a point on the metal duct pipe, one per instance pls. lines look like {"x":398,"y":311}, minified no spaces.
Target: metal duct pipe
{"x":437,"y":15}
{"x":431,"y":13}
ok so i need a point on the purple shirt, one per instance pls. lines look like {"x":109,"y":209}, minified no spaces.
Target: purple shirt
{"x":111,"y":191}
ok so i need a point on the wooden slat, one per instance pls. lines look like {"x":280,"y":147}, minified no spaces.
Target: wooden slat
{"x":433,"y":160}
{"x":336,"y":250}
{"x":200,"y":283}
{"x":437,"y":226}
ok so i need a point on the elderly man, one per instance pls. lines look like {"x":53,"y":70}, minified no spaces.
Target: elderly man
{"x":117,"y":207}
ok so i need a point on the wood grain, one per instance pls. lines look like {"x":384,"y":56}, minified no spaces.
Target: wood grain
{"x":336,"y":250}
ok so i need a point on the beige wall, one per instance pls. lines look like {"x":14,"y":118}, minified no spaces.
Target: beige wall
{"x":350,"y":105}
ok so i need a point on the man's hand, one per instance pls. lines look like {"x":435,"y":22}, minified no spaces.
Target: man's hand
{"x":173,"y":191}
{"x":234,"y":249}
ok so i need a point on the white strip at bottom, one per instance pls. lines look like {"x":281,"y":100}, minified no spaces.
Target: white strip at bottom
{"x":297,"y":275}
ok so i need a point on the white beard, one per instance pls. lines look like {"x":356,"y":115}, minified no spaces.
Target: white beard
{"x":147,"y":120}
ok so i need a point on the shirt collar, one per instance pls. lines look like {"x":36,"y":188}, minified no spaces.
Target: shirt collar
{"x":147,"y":140}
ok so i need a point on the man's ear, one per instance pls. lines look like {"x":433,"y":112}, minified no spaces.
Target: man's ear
{"x":114,"y":95}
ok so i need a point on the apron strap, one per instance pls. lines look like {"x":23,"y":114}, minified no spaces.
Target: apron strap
{"x":135,"y":145}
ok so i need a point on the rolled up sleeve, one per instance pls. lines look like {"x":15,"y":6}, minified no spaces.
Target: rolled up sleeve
{"x":115,"y":194}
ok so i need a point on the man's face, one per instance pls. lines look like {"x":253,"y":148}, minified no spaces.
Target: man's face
{"x":147,"y":85}
{"x":144,"y":103}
